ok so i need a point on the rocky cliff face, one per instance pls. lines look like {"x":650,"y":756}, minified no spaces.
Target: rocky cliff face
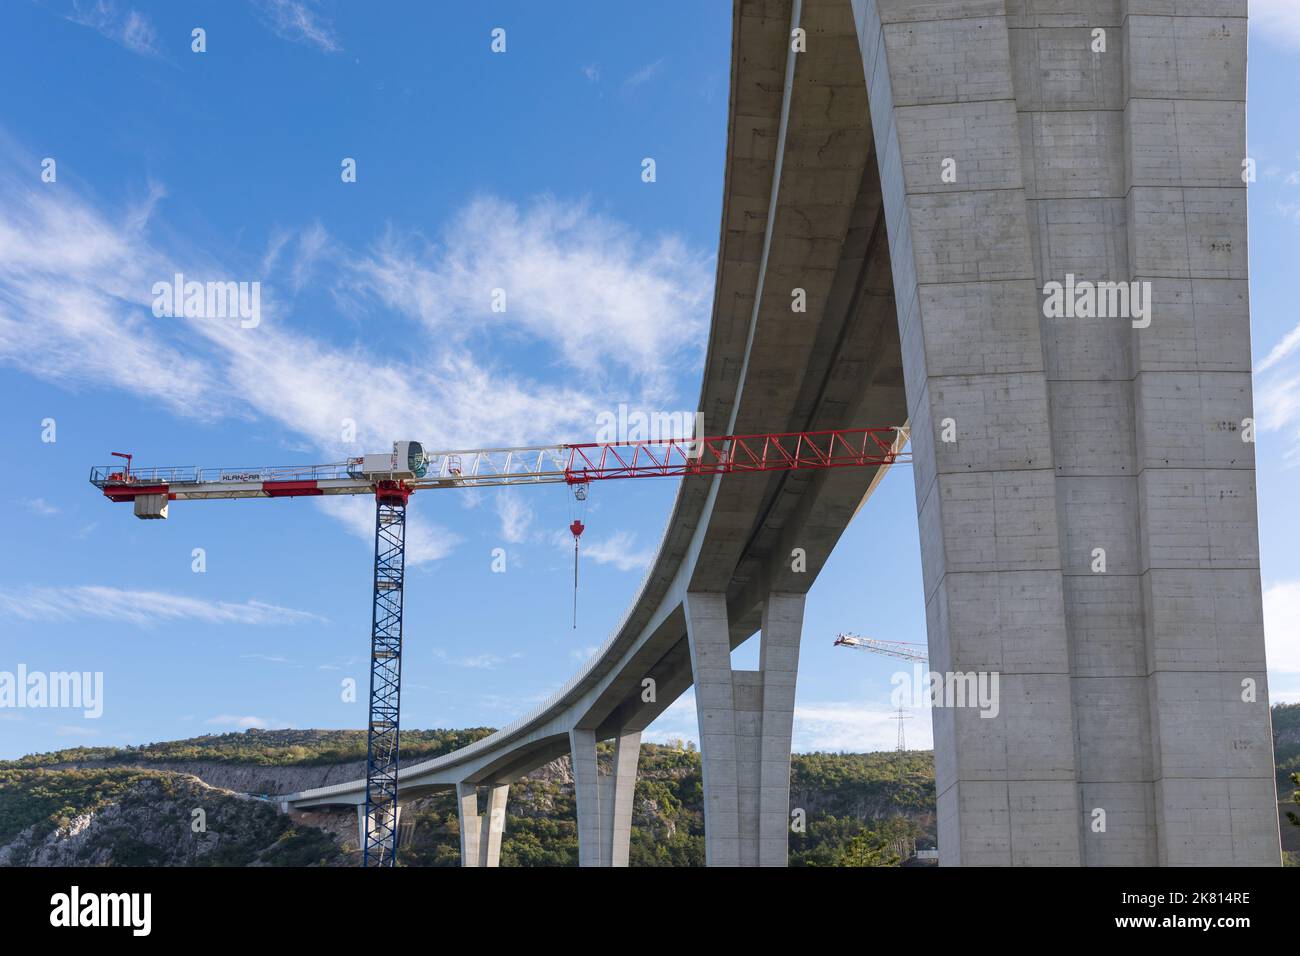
{"x":240,"y":778}
{"x":173,"y":821}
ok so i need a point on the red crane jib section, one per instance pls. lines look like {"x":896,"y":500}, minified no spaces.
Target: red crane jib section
{"x":597,"y":461}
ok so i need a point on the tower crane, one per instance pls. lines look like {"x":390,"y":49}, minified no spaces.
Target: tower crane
{"x":392,"y":478}
{"x":900,"y":649}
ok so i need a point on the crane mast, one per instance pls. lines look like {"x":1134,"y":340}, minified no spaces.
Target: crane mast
{"x":384,"y":729}
{"x":393,"y":477}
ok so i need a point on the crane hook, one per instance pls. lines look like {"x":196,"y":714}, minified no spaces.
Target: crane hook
{"x":576,"y":529}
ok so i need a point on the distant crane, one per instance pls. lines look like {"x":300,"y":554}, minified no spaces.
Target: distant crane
{"x":394,"y":476}
{"x":900,"y":649}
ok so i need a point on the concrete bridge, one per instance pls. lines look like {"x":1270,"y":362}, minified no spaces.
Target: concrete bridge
{"x":924,"y":170}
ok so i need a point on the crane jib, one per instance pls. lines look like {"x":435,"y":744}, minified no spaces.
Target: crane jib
{"x":573,"y":464}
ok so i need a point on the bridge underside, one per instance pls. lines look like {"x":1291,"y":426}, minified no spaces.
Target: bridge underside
{"x":921,"y":171}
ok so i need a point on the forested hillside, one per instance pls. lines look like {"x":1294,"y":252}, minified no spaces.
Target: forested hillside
{"x":139,"y":805}
{"x":134,"y":805}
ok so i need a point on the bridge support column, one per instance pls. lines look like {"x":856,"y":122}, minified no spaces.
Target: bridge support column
{"x":361,"y":822}
{"x":746,"y":720}
{"x":480,"y":834}
{"x":1086,"y":503}
{"x":604,"y":800}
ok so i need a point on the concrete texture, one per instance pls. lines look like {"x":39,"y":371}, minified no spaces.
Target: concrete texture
{"x":746,"y":719}
{"x":1121,"y":688}
{"x":480,"y":833}
{"x":604,"y":800}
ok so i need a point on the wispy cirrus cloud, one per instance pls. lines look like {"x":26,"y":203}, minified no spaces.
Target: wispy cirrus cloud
{"x":603,"y":297}
{"x":76,"y":282}
{"x":516,"y":516}
{"x":126,"y":27}
{"x":1275,"y":21}
{"x":484,"y":660}
{"x":1277,"y":394}
{"x":39,"y":603}
{"x":619,"y":549}
{"x":425,"y":541}
{"x":1282,"y":640}
{"x":299,"y":22}
{"x":643,"y":75}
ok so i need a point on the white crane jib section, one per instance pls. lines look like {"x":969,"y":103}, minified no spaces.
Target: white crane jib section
{"x":408,"y":463}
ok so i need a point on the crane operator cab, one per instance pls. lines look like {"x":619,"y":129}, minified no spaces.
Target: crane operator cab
{"x":407,"y":460}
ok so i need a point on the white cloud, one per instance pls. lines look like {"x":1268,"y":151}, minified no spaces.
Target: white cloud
{"x":1277,"y":21}
{"x":591,"y":72}
{"x":311,"y":246}
{"x":75,"y":730}
{"x":297,"y":21}
{"x":516,"y":517}
{"x":677,"y":722}
{"x":1277,"y":393}
{"x":834,"y":726}
{"x":75,"y":309}
{"x":35,"y":603}
{"x":486,"y":660}
{"x":646,"y":73}
{"x":1282,"y":629}
{"x":244,"y":722}
{"x":425,"y":541}
{"x":841,"y":726}
{"x":619,"y":549}
{"x":41,"y":507}
{"x":608,"y":300}
{"x":1290,"y":342}
{"x":130,"y":29}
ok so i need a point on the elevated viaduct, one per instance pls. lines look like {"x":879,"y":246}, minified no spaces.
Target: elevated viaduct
{"x":924,"y":170}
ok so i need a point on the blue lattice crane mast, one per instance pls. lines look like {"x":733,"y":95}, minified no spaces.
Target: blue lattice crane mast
{"x":383,"y":736}
{"x":393,"y":477}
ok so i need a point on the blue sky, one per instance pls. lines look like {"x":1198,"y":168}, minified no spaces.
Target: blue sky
{"x":475,"y":170}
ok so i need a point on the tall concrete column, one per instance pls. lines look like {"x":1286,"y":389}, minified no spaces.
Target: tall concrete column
{"x":746,"y":719}
{"x":620,"y":789}
{"x":1085,"y":502}
{"x":586,"y":793}
{"x":480,"y":834}
{"x":604,"y":800}
{"x":1184,"y":124}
